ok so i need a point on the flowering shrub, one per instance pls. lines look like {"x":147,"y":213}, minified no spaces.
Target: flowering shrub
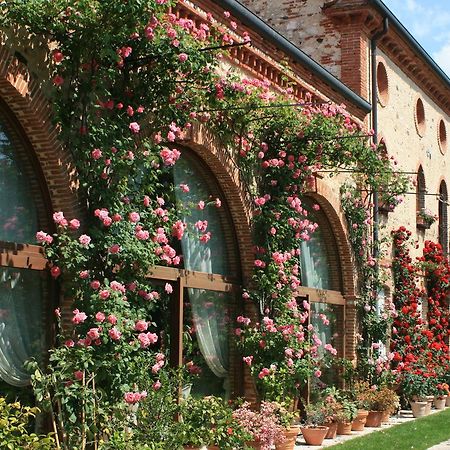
{"x":263,"y":425}
{"x":130,"y":81}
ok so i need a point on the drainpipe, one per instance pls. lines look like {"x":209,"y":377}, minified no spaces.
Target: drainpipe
{"x":373,"y":62}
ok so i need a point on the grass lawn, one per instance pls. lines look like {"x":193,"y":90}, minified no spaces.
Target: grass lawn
{"x":419,"y":434}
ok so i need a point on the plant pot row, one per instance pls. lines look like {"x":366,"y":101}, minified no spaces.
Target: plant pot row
{"x":422,"y":406}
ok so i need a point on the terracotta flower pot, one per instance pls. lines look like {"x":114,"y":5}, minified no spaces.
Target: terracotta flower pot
{"x":385,"y":416}
{"x":374,"y":419}
{"x":419,"y":409}
{"x":439,"y":402}
{"x":290,"y":436}
{"x":332,"y":430}
{"x":344,"y":428}
{"x":360,"y":421}
{"x":314,"y":436}
{"x":254,"y":444}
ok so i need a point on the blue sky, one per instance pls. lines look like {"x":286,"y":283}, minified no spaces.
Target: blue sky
{"x":429,"y":22}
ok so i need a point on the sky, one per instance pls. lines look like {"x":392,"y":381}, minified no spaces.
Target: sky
{"x":429,"y":23}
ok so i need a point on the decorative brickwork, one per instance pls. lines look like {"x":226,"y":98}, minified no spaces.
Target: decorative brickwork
{"x":30,"y":109}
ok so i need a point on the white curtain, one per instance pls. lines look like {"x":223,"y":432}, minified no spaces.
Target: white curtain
{"x":20,"y":323}
{"x":209,"y":308}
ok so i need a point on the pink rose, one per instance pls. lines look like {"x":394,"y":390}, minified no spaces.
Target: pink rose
{"x":59,"y":219}
{"x":112,"y":319}
{"x":104,"y":294}
{"x":116,"y":286}
{"x":114,"y":334}
{"x":79,"y":317}
{"x":168,"y":288}
{"x":43,"y":237}
{"x":84,"y":240}
{"x":182,"y":57}
{"x":95,"y":284}
{"x":134,"y":127}
{"x":74,"y":224}
{"x":141,"y":325}
{"x":96,"y":153}
{"x":146,"y":339}
{"x":134,"y":217}
{"x":114,"y":249}
{"x":156,"y":385}
{"x":100,"y":317}
{"x":94,"y":333}
{"x":132,"y":397}
{"x":84,"y":274}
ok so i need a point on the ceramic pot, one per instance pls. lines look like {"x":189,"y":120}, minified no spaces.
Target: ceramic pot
{"x":439,"y":402}
{"x":290,"y":436}
{"x":430,"y":400}
{"x":254,"y":444}
{"x":332,"y":430}
{"x":419,"y":409}
{"x":314,"y":436}
{"x":374,"y":419}
{"x":385,"y":416}
{"x":360,"y":421}
{"x":447,"y":402}
{"x":344,"y":428}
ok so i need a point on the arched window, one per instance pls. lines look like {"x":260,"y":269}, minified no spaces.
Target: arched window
{"x":420,"y":190}
{"x":321,"y":278}
{"x":23,"y":283}
{"x":203,"y":299}
{"x":443,"y":219}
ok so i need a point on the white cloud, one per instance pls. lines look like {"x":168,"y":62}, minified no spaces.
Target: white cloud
{"x":442,"y":57}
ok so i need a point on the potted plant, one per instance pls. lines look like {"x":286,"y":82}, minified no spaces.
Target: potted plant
{"x":287,"y":418}
{"x":425,"y":218}
{"x":262,"y":425}
{"x":440,"y":395}
{"x":331,"y":407}
{"x":417,"y":388}
{"x":346,"y":414}
{"x":383,"y":402}
{"x":313,"y":430}
{"x":362,"y":397}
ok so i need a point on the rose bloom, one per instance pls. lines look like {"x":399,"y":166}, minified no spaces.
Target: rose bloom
{"x":114,"y":249}
{"x":79,"y":317}
{"x":156,"y":385}
{"x":57,"y":56}
{"x":104,"y":294}
{"x":93,"y":333}
{"x":96,"y":153}
{"x":84,"y":240}
{"x":55,"y":271}
{"x":100,"y":317}
{"x":114,"y":334}
{"x":84,"y":274}
{"x":78,"y":374}
{"x":134,"y":127}
{"x":134,"y":217}
{"x":168,"y":288}
{"x":95,"y":284}
{"x":182,"y":57}
{"x":43,"y":237}
{"x":146,"y":339}
{"x":112,"y":319}
{"x":141,"y":325}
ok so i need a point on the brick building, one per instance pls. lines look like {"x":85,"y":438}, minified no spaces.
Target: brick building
{"x":412,"y":108}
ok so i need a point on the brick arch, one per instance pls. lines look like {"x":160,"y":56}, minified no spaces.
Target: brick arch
{"x":220,"y":161}
{"x":30,"y":112}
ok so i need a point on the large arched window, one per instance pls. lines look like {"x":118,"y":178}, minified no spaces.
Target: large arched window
{"x":203,"y":299}
{"x":321,"y":279}
{"x":443,"y":219}
{"x":23,"y":283}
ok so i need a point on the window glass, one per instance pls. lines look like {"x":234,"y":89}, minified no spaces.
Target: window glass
{"x":206,"y":342}
{"x":204,"y":247}
{"x":22,"y":333}
{"x":18,"y":214}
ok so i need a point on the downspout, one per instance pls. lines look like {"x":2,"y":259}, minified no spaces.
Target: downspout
{"x":373,"y":62}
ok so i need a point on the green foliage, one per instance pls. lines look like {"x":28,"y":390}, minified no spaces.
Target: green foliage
{"x":14,"y":428}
